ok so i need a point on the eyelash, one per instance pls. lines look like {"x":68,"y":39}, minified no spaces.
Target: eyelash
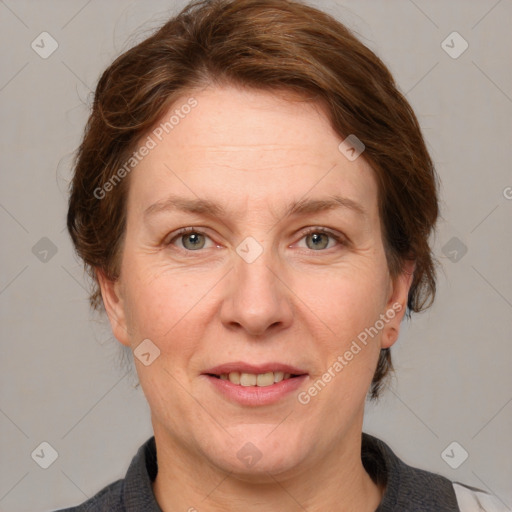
{"x":340,"y":239}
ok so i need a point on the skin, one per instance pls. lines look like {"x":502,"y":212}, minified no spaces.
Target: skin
{"x":254,"y":153}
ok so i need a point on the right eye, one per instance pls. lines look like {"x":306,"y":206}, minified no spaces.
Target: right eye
{"x":190,"y":239}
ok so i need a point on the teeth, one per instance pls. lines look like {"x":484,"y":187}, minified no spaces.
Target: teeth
{"x":250,"y":379}
{"x":265,"y":379}
{"x":234,"y":377}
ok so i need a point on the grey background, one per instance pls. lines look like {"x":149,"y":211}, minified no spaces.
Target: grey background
{"x":63,"y":379}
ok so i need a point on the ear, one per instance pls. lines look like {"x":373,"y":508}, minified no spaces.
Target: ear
{"x":114,"y":306}
{"x":397,"y":303}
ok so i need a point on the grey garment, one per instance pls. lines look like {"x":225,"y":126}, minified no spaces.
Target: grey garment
{"x":407,"y":489}
{"x":131,"y":494}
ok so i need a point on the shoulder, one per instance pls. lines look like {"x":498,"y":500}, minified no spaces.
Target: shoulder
{"x":406,"y":487}
{"x":109,"y":499}
{"x":470,"y":499}
{"x":413,"y":489}
{"x":132,"y":493}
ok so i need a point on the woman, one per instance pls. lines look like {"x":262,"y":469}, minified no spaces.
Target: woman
{"x":253,"y":199}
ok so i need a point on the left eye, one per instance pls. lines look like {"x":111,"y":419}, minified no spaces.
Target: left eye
{"x":318,"y":240}
{"x":190,"y":240}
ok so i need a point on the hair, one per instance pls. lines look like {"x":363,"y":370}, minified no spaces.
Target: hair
{"x":269,"y":45}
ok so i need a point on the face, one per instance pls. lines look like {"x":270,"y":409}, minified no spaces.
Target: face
{"x":254,"y":263}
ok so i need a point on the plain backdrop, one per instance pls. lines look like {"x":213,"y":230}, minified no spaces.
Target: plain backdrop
{"x":65,"y":381}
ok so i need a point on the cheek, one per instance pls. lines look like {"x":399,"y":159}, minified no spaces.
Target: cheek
{"x":163,"y":302}
{"x":346,"y":307}
{"x":345,"y":300}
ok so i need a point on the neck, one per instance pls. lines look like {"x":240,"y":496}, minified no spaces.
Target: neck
{"x":336,"y":482}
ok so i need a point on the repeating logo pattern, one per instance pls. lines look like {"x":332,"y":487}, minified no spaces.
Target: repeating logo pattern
{"x":44,"y":55}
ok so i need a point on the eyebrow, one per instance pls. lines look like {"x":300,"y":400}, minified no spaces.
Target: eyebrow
{"x":210,"y":208}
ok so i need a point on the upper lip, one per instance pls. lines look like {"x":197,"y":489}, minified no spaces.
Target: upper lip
{"x":256,"y":369}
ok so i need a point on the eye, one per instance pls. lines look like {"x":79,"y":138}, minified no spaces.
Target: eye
{"x":190,"y":239}
{"x":318,"y":239}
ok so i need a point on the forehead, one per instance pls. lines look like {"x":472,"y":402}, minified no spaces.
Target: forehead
{"x":246,"y":145}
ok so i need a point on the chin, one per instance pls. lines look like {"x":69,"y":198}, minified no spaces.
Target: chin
{"x":253,"y":453}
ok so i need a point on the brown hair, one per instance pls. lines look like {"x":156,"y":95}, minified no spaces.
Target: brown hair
{"x":270,"y":45}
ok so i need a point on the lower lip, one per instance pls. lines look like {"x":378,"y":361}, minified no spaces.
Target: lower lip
{"x":256,"y":395}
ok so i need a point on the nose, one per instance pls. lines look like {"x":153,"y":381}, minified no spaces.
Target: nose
{"x":257,"y":299}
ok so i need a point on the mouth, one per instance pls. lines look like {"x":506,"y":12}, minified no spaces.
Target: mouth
{"x":253,"y":385}
{"x":251,"y":379}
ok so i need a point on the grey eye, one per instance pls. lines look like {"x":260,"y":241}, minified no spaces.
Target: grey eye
{"x":318,"y":241}
{"x":193,"y":241}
